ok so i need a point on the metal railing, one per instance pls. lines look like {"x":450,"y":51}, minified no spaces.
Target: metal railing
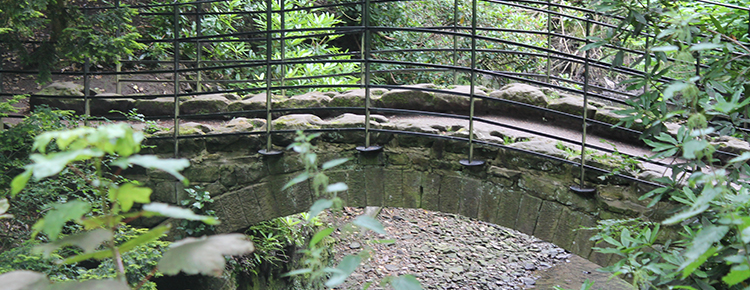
{"x":204,"y":74}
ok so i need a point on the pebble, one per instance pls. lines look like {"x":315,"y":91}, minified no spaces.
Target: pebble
{"x":445,"y":251}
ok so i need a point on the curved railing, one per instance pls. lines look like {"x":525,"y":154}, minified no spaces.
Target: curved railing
{"x":570,"y":71}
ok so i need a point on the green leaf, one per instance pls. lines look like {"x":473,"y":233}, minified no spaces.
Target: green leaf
{"x":737,"y":276}
{"x":370,"y":223}
{"x":337,"y":187}
{"x":704,"y":46}
{"x":60,"y":214}
{"x":129,"y":193}
{"x":4,"y":206}
{"x":702,"y":242}
{"x":299,"y":178}
{"x":334,"y":163}
{"x":698,"y":261}
{"x":171,"y":166}
{"x":406,"y":282}
{"x":665,"y":48}
{"x":19,"y":182}
{"x":742,"y":158}
{"x":163,"y":209}
{"x":88,"y":241}
{"x":90,"y":285}
{"x":53,"y":163}
{"x":690,"y":148}
{"x":319,"y":206}
{"x":23,"y":280}
{"x":203,"y":255}
{"x":672,"y":89}
{"x":297,"y":272}
{"x":618,"y":58}
{"x":150,"y":236}
{"x":320,"y":236}
{"x":343,"y":270}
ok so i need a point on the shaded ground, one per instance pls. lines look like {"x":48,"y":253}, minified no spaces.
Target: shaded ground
{"x":446,"y":251}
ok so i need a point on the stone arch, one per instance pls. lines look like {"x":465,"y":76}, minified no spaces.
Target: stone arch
{"x":516,"y":190}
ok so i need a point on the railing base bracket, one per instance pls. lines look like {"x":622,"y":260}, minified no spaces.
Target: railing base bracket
{"x":368,"y":149}
{"x":472,"y":163}
{"x":272,"y":152}
{"x":583,"y":190}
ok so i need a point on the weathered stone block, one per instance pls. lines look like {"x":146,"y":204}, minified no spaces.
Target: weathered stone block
{"x":582,"y":245}
{"x":508,"y":209}
{"x":357,"y":193}
{"x":431,"y":191}
{"x":471,"y":197}
{"x":549,"y":217}
{"x":565,"y":232}
{"x":202,"y":172}
{"x":528,"y":212}
{"x":490,"y":202}
{"x":412,"y":188}
{"x":374,"y":186}
{"x":257,"y":202}
{"x":229,"y":211}
{"x":393,"y":188}
{"x":450,"y":193}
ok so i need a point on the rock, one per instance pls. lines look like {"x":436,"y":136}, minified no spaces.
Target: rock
{"x":308,"y":100}
{"x":355,"y":98}
{"x":456,"y":269}
{"x":206,"y":104}
{"x":298,"y":122}
{"x":543,"y":146}
{"x":155,"y":107}
{"x":255,"y":102}
{"x":103,"y":103}
{"x":571,"y":105}
{"x":529,"y":266}
{"x":528,"y":281}
{"x":522,"y":93}
{"x":243,"y":125}
{"x":391,"y":268}
{"x":731,"y":144}
{"x":62,"y":89}
{"x":348,"y":120}
{"x":354,"y":245}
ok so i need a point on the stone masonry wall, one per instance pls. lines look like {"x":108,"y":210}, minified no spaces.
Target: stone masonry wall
{"x":513,"y":189}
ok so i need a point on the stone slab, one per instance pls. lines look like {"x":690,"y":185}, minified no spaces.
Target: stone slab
{"x":375,"y":185}
{"x":450,"y":192}
{"x":431,"y":191}
{"x":393,"y":195}
{"x":528,"y":212}
{"x":549,"y":217}
{"x":471,"y":197}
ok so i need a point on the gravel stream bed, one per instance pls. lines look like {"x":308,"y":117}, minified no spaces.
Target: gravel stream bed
{"x":445,"y":251}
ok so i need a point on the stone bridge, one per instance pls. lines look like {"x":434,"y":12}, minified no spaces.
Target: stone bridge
{"x":524,"y":183}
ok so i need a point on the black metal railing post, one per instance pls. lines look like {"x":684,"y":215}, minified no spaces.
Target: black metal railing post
{"x":581,"y":187}
{"x":472,"y":85}
{"x":269,"y":151}
{"x":367,"y":46}
{"x":455,"y":41}
{"x":199,"y":46}
{"x":549,"y":39}
{"x":176,"y":78}
{"x":86,"y":91}
{"x":282,"y":47}
{"x":118,"y":64}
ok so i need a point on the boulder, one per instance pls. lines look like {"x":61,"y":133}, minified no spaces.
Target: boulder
{"x":572,"y":105}
{"x":349,"y":120}
{"x":308,"y":100}
{"x":68,"y":89}
{"x":522,"y":93}
{"x":298,"y":122}
{"x":355,"y":98}
{"x":156,"y":107}
{"x":256,"y":102}
{"x":207,"y":104}
{"x":243,"y":125}
{"x":102,"y":104}
{"x":731,"y":144}
{"x":62,"y":89}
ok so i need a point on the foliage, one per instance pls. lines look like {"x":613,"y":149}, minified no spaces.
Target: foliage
{"x":315,"y":270}
{"x":150,"y":125}
{"x":226,"y":17}
{"x":65,"y":33}
{"x":115,"y":147}
{"x":198,"y":201}
{"x":713,"y":222}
